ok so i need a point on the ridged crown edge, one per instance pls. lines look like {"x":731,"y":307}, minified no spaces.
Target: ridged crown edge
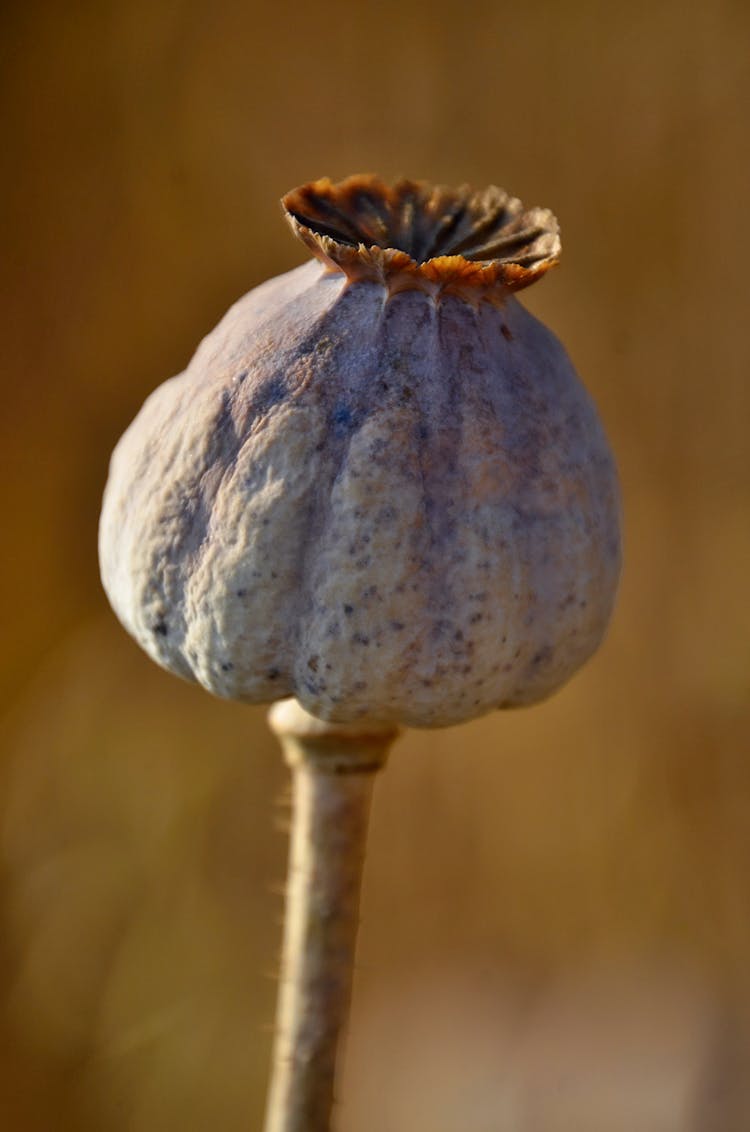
{"x":415,"y":235}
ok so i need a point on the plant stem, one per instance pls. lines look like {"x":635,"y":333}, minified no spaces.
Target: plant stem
{"x":333,"y":768}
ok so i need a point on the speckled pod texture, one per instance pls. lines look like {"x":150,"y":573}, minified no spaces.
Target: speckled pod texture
{"x":391,"y":506}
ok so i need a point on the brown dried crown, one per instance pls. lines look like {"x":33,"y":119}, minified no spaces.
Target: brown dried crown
{"x":414,"y":235}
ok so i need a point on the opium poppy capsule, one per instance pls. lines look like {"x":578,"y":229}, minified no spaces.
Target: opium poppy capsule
{"x":379,"y":488}
{"x":379,"y":485}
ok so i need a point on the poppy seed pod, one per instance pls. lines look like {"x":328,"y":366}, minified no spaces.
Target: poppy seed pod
{"x":379,"y":485}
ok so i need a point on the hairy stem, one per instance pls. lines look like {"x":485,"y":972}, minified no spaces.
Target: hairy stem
{"x":333,"y":768}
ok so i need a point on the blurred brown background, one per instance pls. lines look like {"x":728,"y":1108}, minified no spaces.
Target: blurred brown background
{"x":556,"y":922}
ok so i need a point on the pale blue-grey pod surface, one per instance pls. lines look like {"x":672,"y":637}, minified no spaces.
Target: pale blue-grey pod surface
{"x":394,"y":504}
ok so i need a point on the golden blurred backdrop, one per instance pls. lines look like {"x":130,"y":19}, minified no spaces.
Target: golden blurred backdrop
{"x":556,"y":918}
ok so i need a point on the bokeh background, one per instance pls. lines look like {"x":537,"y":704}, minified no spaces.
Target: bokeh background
{"x":556,"y":919}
